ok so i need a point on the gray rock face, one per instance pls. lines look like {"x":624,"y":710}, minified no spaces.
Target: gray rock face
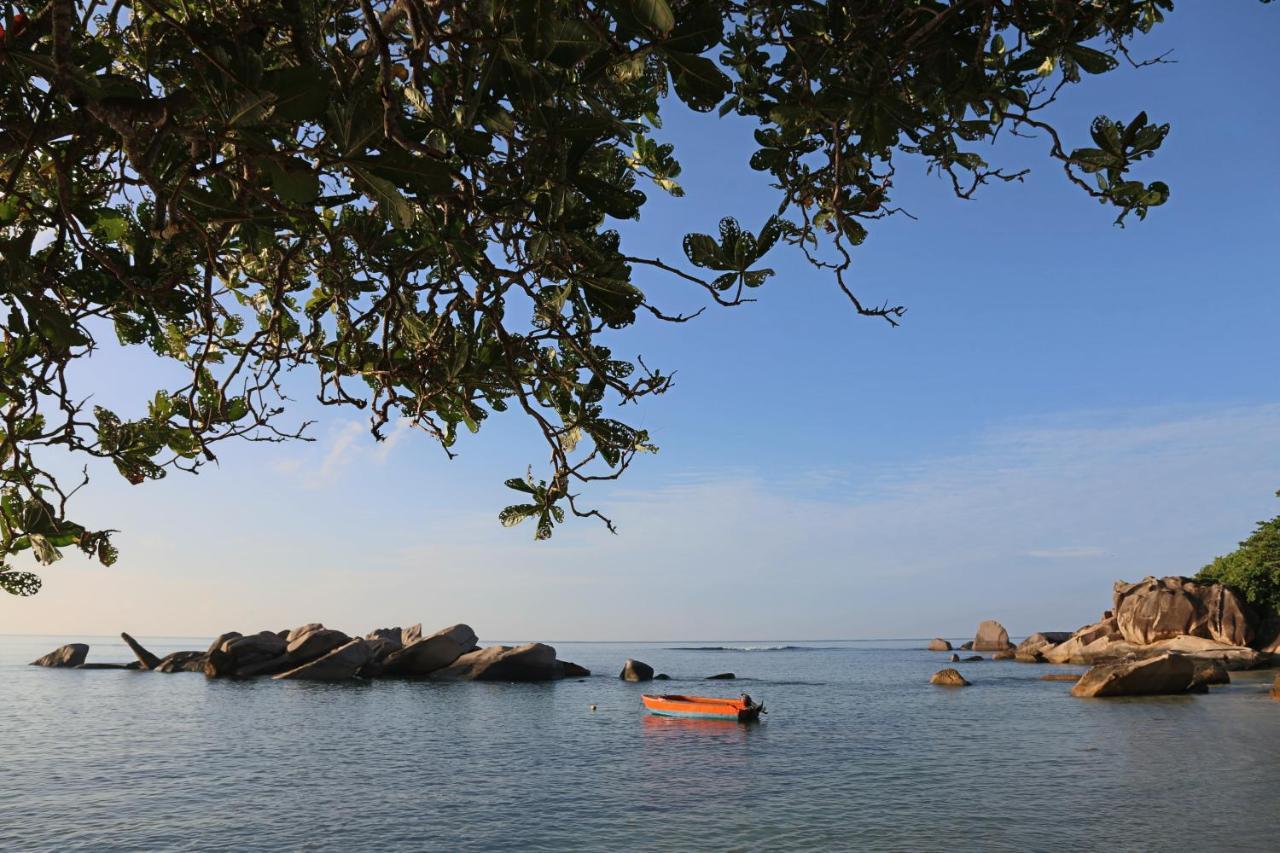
{"x":339,"y":664}
{"x":1155,"y":609}
{"x":948,"y":678}
{"x":182,"y":662}
{"x":991,"y":637}
{"x":937,"y":644}
{"x":530,"y":662}
{"x":148,"y":660}
{"x":1166,"y":674}
{"x":634,"y":670}
{"x":70,"y":655}
{"x":1033,"y":648}
{"x":429,"y":654}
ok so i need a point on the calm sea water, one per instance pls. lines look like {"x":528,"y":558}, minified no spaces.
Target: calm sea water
{"x":857,"y":752}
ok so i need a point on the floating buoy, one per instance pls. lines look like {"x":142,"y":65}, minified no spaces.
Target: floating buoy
{"x":593,"y":707}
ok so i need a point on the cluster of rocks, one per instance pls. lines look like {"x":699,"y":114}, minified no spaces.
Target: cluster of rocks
{"x":315,"y":653}
{"x":636,"y":670}
{"x":1161,"y":636}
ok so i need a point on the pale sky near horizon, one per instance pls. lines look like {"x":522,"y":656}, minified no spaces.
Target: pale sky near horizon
{"x":1067,"y":403}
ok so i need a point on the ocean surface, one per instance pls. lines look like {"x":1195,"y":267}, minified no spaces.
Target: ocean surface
{"x":858,"y":752}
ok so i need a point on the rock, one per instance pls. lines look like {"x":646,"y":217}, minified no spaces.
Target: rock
{"x":425,"y":655}
{"x":70,"y":655}
{"x":991,"y":637}
{"x":308,"y":628}
{"x":182,"y":662}
{"x":530,"y":662}
{"x":662,"y":676}
{"x":1033,"y":648}
{"x":634,"y":670}
{"x":148,"y":660}
{"x":1111,"y":647}
{"x":937,"y":644}
{"x":265,"y":644}
{"x":1275,"y":689}
{"x":723,"y":676}
{"x":969,"y":659}
{"x":1061,"y":676}
{"x":339,"y":664}
{"x":1166,"y":674}
{"x":315,"y":643}
{"x":216,"y":645}
{"x":1007,"y":654}
{"x":572,"y":670}
{"x":1209,"y":671}
{"x":1267,"y":637}
{"x":103,"y":666}
{"x":411,"y":635}
{"x":393,"y":636}
{"x":966,"y":646}
{"x":219,"y":664}
{"x":948,"y":678}
{"x":955,"y":658}
{"x":1155,"y":609}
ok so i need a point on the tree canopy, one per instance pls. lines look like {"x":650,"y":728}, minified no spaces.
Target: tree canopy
{"x":417,"y":202}
{"x":1253,"y":569}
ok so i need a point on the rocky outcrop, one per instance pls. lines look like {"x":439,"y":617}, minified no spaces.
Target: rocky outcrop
{"x":937,"y":644}
{"x":1155,"y":609}
{"x":393,"y":636}
{"x":634,"y":670}
{"x":182,"y":662}
{"x":426,"y":655}
{"x":530,"y":662}
{"x":1166,"y":674}
{"x":148,"y":660}
{"x":65,"y":657}
{"x":991,"y":637}
{"x":948,"y":678}
{"x":1007,"y":654}
{"x":1109,"y":648}
{"x":1033,"y":648}
{"x":340,"y":664}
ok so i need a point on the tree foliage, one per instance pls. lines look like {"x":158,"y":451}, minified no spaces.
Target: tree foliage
{"x":1253,"y":569}
{"x":416,"y":201}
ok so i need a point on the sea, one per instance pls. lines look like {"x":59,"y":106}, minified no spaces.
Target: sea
{"x":857,"y":752}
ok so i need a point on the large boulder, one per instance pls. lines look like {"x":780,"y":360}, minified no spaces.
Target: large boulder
{"x":1166,"y":674}
{"x":295,"y":633}
{"x":937,"y":644}
{"x":148,"y":660}
{"x":948,"y":678}
{"x":394,"y":636}
{"x":1110,"y":648}
{"x":1033,"y":648}
{"x":182,"y":662}
{"x":530,"y":662}
{"x":1086,"y":644}
{"x":991,"y":637}
{"x":428,"y":654}
{"x":340,"y":664}
{"x":70,"y":655}
{"x":216,"y":645}
{"x":314,"y":643}
{"x":1155,"y":609}
{"x":572,"y":670}
{"x":634,"y":670}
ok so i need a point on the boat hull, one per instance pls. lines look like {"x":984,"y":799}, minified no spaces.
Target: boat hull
{"x":701,"y":708}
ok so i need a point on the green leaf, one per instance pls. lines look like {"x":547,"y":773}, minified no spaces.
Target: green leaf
{"x":111,"y":225}
{"x":390,"y":201}
{"x":654,"y":13}
{"x":19,"y":583}
{"x":1092,"y":61}
{"x":294,"y":185}
{"x":699,"y":82}
{"x":516,"y":513}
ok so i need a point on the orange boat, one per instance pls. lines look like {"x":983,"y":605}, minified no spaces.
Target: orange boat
{"x":706,"y":707}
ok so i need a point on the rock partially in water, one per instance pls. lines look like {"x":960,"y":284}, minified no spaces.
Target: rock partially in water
{"x":1210,"y":672}
{"x":948,"y":678}
{"x":937,"y":644}
{"x":217,"y":644}
{"x":1163,"y":675}
{"x":148,"y":660}
{"x":634,"y":670}
{"x":1275,"y":689}
{"x":955,"y":658}
{"x":1007,"y":654}
{"x":721,"y":676}
{"x":662,"y":676}
{"x":991,"y":637}
{"x":530,"y":662}
{"x":1061,"y":676}
{"x":104,"y":666}
{"x":182,"y":662}
{"x":64,"y":657}
{"x":340,"y":664}
{"x":1033,"y":648}
{"x":426,"y":655}
{"x":966,"y":646}
{"x":572,"y":670}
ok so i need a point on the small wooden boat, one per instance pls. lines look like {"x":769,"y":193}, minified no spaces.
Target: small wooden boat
{"x":706,"y":707}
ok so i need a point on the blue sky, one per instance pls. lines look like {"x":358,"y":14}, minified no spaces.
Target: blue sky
{"x":1066,"y":403}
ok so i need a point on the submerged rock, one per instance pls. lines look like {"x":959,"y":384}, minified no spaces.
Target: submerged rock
{"x":634,"y":670}
{"x":1033,"y":648}
{"x":1061,"y":676}
{"x":1166,"y":674}
{"x":64,"y":657}
{"x":948,"y":678}
{"x":662,"y":676}
{"x":991,"y":637}
{"x":148,"y":660}
{"x":723,"y":676}
{"x":937,"y":644}
{"x":103,"y":666}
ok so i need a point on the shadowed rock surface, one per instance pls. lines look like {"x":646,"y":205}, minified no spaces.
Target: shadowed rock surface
{"x":948,"y":678}
{"x":530,"y":662}
{"x":1166,"y":674}
{"x":148,"y":660}
{"x":722,"y":676}
{"x":634,"y":670}
{"x":182,"y":662}
{"x":341,"y":664}
{"x":426,"y":655}
{"x":70,"y":655}
{"x":1033,"y":648}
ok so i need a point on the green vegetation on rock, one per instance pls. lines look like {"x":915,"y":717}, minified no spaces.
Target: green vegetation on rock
{"x":1253,"y":569}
